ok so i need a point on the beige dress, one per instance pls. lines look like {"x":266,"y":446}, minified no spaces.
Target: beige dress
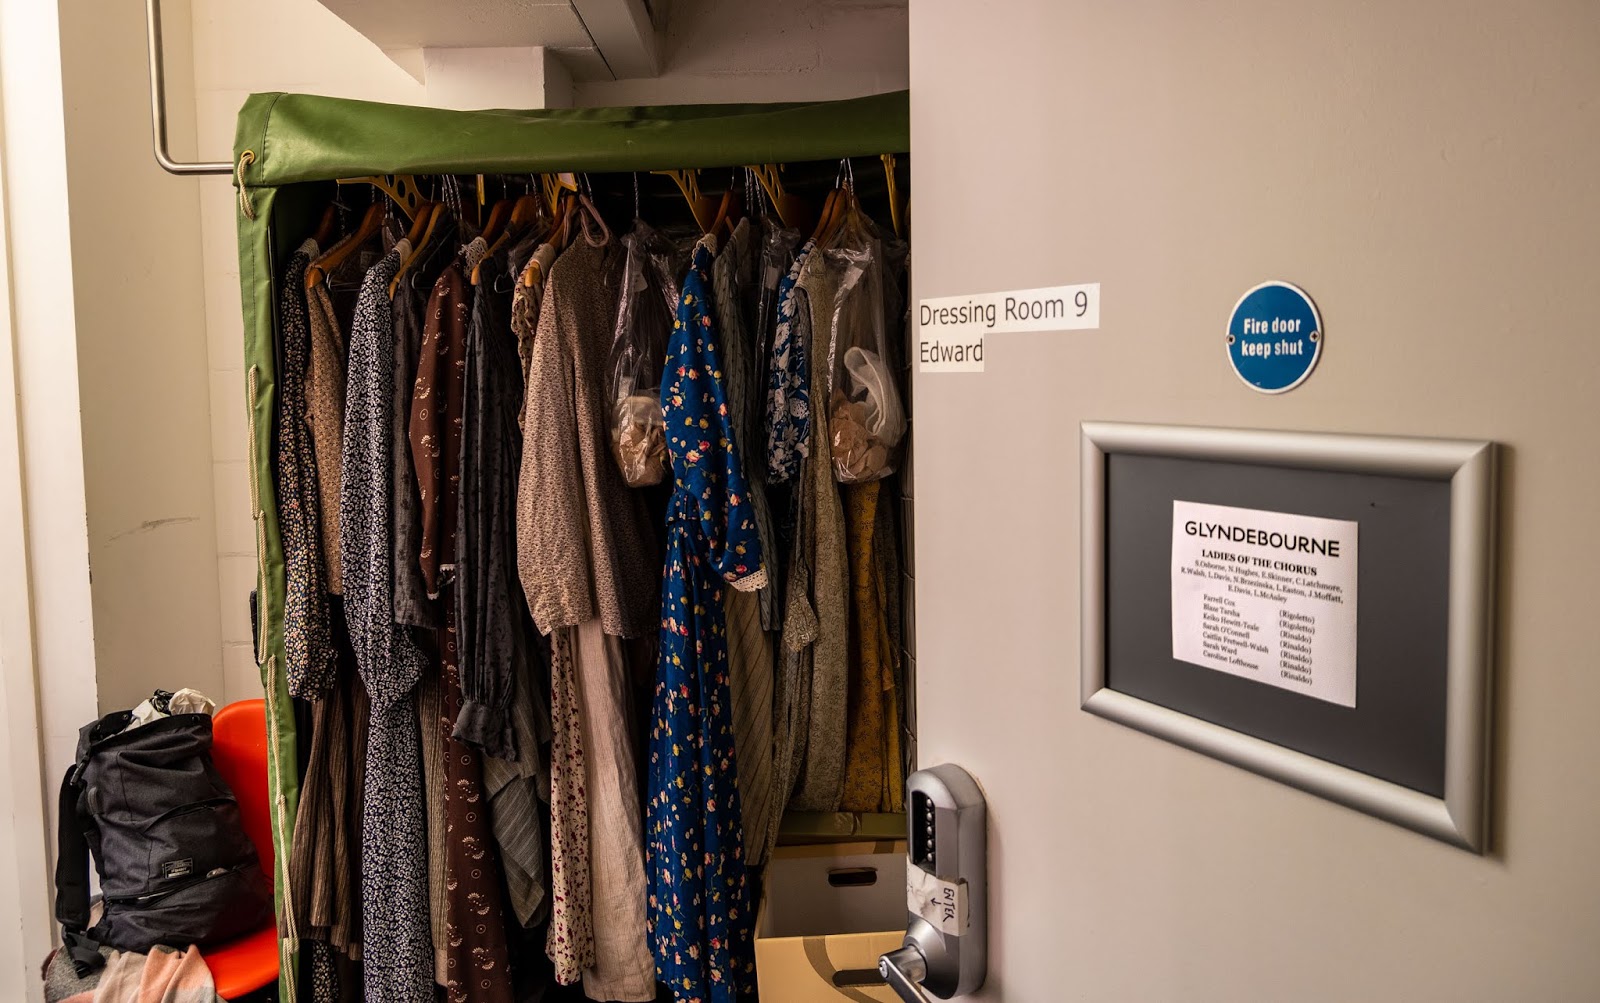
{"x":623,"y":969}
{"x":750,"y":686}
{"x":590,"y":567}
{"x":585,"y":547}
{"x":325,"y":387}
{"x":821,"y":783}
{"x":750,"y":680}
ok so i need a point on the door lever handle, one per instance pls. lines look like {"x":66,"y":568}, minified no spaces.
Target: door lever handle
{"x":904,"y":971}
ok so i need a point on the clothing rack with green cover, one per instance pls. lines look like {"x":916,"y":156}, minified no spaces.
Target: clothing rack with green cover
{"x":285,"y":141}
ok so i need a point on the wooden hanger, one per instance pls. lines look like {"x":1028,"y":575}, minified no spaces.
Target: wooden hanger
{"x":557,"y":239}
{"x":830,"y":207}
{"x":554,"y":184}
{"x":495,"y":231}
{"x":792,"y":209}
{"x":729,"y":212}
{"x":843,"y":208}
{"x":419,"y":225}
{"x":532,"y":273}
{"x":822,"y":216}
{"x":895,"y":217}
{"x":370,"y":225}
{"x":854,"y":221}
{"x":844,"y":204}
{"x":524,"y":213}
{"x":419,"y":244}
{"x":402,"y":188}
{"x":330,"y":218}
{"x":499,"y":215}
{"x":703,"y":207}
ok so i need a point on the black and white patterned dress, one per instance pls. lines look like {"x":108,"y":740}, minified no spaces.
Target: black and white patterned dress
{"x":397,"y":949}
{"x":309,"y":656}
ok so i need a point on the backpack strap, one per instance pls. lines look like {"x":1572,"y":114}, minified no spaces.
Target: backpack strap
{"x":72,"y":876}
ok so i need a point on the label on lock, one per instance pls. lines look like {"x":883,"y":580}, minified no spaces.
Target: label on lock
{"x":941,"y":903}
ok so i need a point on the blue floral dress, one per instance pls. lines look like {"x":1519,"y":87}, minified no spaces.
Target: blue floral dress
{"x":788,"y":385}
{"x":701,"y":915}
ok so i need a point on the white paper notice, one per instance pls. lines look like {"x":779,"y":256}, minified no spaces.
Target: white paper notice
{"x":1269,"y":596}
{"x":942,"y":903}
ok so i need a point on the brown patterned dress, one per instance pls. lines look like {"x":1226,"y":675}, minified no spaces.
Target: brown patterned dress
{"x":477,"y":961}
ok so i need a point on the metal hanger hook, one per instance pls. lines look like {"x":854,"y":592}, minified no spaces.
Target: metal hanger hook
{"x":452,"y":196}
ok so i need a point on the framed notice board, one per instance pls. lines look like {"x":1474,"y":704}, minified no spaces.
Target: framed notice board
{"x":1312,"y":607}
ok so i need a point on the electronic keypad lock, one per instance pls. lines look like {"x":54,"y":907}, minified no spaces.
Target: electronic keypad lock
{"x":946,"y":945}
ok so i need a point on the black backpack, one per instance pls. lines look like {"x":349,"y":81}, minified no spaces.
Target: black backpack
{"x":175,"y":865}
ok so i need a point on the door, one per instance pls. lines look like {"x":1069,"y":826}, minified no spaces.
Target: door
{"x":1426,"y":171}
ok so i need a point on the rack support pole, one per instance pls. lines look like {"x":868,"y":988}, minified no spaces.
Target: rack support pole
{"x":158,"y":103}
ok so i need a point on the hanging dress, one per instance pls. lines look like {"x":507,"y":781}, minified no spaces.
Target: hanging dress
{"x":477,"y":960}
{"x":413,"y":607}
{"x":307,"y":642}
{"x":569,"y":941}
{"x":325,"y":854}
{"x":396,"y":944}
{"x":519,"y":792}
{"x":497,"y":642}
{"x":749,"y":616}
{"x":586,"y":556}
{"x":821,"y":783}
{"x":491,"y":621}
{"x":731,"y":280}
{"x":789,"y":381}
{"x":788,"y":423}
{"x":873,"y":744}
{"x":325,"y":389}
{"x":701,"y":910}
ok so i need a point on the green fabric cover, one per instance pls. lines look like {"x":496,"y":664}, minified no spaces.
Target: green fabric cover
{"x":296,"y":138}
{"x":299,"y":138}
{"x":257,"y":272}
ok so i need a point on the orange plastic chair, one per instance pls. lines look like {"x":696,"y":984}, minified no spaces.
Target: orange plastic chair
{"x":239,"y":750}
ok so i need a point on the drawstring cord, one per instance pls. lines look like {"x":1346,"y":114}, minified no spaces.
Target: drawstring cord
{"x":247,"y":207}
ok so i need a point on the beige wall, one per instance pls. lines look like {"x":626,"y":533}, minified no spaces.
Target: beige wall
{"x":303,"y":48}
{"x":770,"y":50}
{"x":24,"y":851}
{"x":140,"y":308}
{"x":47,"y":632}
{"x":1427,"y":171}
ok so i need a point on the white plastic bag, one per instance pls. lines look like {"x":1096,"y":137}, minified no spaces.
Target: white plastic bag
{"x":645,"y":312}
{"x":866,"y":417}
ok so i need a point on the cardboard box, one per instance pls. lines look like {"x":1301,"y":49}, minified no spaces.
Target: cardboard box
{"x":827,"y":914}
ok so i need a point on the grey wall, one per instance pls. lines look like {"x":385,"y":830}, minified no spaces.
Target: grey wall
{"x":1430,"y":173}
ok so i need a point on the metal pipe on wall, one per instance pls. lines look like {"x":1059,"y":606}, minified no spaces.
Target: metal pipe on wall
{"x":158,"y":103}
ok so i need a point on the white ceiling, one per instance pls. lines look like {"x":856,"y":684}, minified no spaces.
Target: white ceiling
{"x":416,"y":24}
{"x":608,"y":37}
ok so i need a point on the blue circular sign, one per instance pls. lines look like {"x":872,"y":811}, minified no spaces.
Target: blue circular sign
{"x":1274,"y":337}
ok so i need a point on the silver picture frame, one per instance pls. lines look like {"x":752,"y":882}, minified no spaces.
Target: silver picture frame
{"x":1459,"y":817}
